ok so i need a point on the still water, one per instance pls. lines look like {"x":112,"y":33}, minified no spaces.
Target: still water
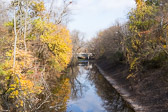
{"x":90,"y":91}
{"x":79,"y":89}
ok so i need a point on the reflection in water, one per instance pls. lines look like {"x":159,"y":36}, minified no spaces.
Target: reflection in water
{"x":59,"y":94}
{"x":76,"y":86}
{"x":82,"y":89}
{"x":90,"y":92}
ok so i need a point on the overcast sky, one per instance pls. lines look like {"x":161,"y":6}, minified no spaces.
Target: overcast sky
{"x":91,"y":16}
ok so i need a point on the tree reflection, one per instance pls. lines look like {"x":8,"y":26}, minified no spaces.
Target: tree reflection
{"x":58,"y":95}
{"x":112,"y":101}
{"x":77,"y":88}
{"x":73,"y":83}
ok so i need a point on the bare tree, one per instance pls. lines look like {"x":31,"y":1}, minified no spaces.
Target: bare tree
{"x":59,"y":14}
{"x":78,"y":44}
{"x":25,"y":25}
{"x":15,"y":32}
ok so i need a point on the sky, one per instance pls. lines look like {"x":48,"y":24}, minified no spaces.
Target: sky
{"x":92,"y":16}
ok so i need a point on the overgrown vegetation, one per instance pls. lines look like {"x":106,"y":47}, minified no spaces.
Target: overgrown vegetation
{"x":142,"y":42}
{"x":34,"y":45}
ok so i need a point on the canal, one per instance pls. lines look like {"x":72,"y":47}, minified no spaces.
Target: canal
{"x":91,"y":92}
{"x":80,"y":88}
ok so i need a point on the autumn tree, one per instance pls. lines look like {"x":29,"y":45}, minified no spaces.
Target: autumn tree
{"x":108,"y":44}
{"x":147,"y":41}
{"x":141,"y":42}
{"x":40,"y":46}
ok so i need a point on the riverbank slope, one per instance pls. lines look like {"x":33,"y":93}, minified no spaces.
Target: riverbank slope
{"x":148,"y":93}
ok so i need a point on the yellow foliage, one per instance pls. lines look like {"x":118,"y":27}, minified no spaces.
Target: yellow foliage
{"x":133,"y":63}
{"x":164,"y":46}
{"x":140,"y":27}
{"x":62,"y":93}
{"x":130,"y":75}
{"x":21,"y":84}
{"x":38,"y":7}
{"x":58,"y":40}
{"x":139,"y":2}
{"x":24,"y":80}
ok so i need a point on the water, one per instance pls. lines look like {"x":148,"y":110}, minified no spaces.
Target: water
{"x":81,"y":89}
{"x":90,"y":92}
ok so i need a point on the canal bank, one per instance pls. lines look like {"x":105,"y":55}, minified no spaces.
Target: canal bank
{"x":91,"y":92}
{"x":147,"y":95}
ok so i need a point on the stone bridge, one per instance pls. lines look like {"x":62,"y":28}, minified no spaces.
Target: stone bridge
{"x":84,"y":56}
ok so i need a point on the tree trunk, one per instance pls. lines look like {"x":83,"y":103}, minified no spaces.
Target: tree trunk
{"x":14,"y":54}
{"x":25,"y":26}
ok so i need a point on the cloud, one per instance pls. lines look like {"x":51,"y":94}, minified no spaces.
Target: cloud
{"x":86,"y":103}
{"x":90,"y":16}
{"x":99,"y":5}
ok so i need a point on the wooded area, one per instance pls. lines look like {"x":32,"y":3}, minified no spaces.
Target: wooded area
{"x":135,"y":55}
{"x":142,"y":42}
{"x":36,"y":49}
{"x":34,"y":45}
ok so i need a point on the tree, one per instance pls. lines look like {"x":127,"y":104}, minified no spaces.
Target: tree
{"x":140,"y":44}
{"x":78,"y":44}
{"x":40,"y":47}
{"x":59,"y":14}
{"x":108,"y":44}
